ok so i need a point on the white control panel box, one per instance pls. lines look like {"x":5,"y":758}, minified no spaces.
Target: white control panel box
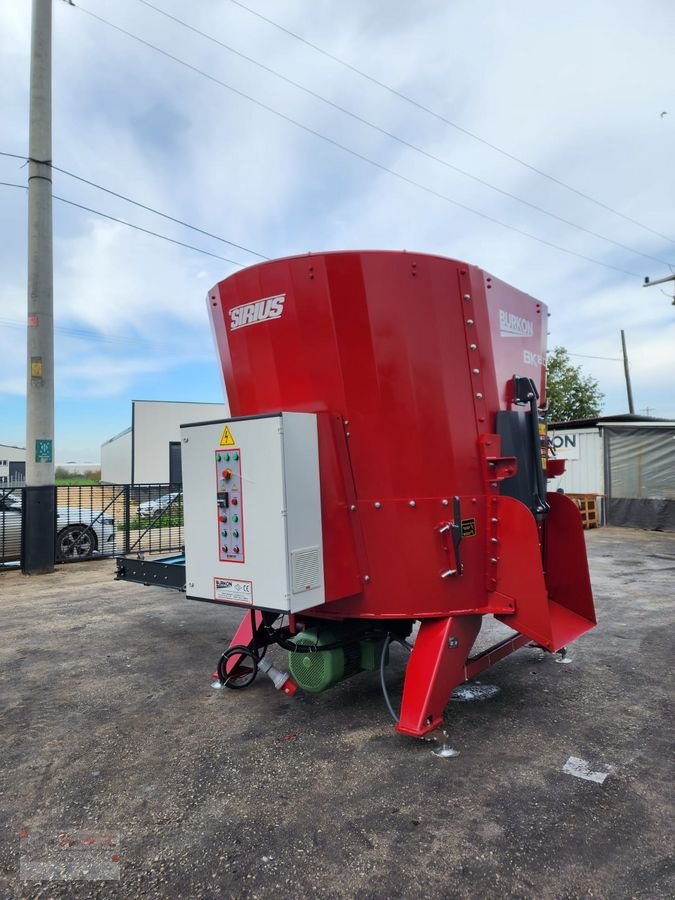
{"x":252,"y":506}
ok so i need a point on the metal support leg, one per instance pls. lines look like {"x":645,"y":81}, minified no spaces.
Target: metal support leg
{"x":244,"y":635}
{"x":435,"y":668}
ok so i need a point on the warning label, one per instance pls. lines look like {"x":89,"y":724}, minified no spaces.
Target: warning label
{"x":468,"y":527}
{"x":228,"y":590}
{"x":226,"y":439}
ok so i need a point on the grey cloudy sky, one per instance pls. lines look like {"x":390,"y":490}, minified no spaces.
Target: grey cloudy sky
{"x":576,"y":90}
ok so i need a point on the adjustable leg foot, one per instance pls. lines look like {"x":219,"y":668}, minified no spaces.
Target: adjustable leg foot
{"x":562,"y":656}
{"x":445,"y":751}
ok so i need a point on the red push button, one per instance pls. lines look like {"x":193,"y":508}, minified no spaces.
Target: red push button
{"x":234,"y":501}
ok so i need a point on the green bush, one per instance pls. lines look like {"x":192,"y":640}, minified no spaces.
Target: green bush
{"x":65,"y":476}
{"x":164,"y":521}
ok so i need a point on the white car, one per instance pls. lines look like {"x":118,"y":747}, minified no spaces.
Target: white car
{"x":80,"y":533}
{"x":166,"y":503}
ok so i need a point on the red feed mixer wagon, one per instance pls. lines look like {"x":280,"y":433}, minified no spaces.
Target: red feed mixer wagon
{"x":385,"y":464}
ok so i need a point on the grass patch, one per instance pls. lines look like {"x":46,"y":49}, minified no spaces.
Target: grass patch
{"x":75,"y":481}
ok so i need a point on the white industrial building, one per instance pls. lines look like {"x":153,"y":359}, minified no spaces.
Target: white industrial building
{"x":12,"y":464}
{"x":149,"y":451}
{"x":626,"y":461}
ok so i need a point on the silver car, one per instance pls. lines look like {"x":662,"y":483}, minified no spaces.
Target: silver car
{"x":166,"y":503}
{"x":80,"y":533}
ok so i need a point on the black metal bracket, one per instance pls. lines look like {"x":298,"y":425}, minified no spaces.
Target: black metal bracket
{"x":168,"y":573}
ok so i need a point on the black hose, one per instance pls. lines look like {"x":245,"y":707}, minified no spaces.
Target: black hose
{"x":230,"y":679}
{"x":387,"y":642}
{"x":541,"y":506}
{"x":292,"y":647}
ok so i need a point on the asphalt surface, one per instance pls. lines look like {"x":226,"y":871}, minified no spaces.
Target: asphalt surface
{"x":113,"y":739}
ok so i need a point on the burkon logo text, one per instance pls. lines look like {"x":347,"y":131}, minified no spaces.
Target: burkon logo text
{"x":511,"y":325}
{"x":258,"y":311}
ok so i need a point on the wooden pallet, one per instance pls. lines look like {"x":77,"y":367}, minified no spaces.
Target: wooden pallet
{"x":588,"y":507}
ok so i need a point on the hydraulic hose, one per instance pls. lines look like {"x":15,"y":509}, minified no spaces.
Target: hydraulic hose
{"x":383,"y":656}
{"x":286,"y":644}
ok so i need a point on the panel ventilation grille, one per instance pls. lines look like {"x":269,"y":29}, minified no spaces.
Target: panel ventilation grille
{"x":305,"y":569}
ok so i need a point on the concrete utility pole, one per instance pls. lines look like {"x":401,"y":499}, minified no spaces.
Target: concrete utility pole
{"x":629,"y":389}
{"x":39,"y":507}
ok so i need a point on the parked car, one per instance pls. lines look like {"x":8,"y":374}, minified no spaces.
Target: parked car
{"x":80,"y":533}
{"x":165,"y":503}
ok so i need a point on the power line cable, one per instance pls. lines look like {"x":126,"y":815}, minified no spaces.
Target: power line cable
{"x":107,"y":337}
{"x":162,"y":237}
{"x":157,"y":212}
{"x":355,"y":153}
{"x":79,"y":332}
{"x":587,"y":356}
{"x":441,"y":118}
{"x":399,"y":140}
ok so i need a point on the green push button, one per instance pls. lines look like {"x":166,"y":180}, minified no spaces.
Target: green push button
{"x":235,"y":518}
{"x":235,"y":456}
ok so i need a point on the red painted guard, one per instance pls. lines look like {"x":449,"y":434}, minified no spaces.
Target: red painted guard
{"x":553,"y":605}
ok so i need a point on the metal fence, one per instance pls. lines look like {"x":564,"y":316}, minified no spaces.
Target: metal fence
{"x":95,"y":521}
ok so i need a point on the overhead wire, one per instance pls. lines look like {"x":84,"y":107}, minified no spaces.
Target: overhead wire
{"x":79,"y":332}
{"x":445,"y":120}
{"x":402,"y":141}
{"x":144,"y":206}
{"x":588,"y":356}
{"x":157,"y":212}
{"x":163,"y":237}
{"x":355,"y":153}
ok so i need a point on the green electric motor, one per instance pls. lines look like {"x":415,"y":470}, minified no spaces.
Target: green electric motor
{"x":318,"y":669}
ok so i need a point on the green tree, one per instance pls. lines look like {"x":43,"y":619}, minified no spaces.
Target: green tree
{"x":571,"y":394}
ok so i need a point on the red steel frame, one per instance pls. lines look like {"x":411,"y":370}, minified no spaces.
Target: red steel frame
{"x":406,"y":359}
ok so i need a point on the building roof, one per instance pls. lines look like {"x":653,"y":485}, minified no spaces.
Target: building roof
{"x":621,"y":419}
{"x":115,"y":437}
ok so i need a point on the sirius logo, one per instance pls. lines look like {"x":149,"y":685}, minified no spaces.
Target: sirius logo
{"x":511,"y":325}
{"x":258,"y":311}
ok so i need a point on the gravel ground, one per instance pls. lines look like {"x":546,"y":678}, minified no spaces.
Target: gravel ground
{"x":112,"y":733}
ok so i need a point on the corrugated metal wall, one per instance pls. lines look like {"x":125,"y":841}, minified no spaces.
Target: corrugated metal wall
{"x":641,"y":486}
{"x":585,"y":469}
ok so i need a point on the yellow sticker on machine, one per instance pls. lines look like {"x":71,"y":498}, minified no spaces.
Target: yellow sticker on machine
{"x":226,"y":439}
{"x":543,"y":437}
{"x":468,"y":528}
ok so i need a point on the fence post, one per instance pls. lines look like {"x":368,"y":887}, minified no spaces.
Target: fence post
{"x":127,"y":518}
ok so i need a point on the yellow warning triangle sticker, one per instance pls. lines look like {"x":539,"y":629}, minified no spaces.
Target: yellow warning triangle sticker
{"x":226,"y":439}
